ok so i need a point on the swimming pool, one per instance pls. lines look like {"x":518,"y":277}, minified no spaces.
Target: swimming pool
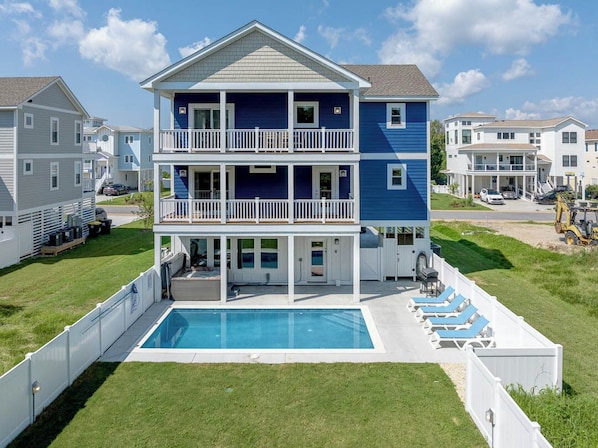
{"x":277,"y":328}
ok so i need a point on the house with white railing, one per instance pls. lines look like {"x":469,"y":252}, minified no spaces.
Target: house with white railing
{"x":527,"y":156}
{"x":281,"y":159}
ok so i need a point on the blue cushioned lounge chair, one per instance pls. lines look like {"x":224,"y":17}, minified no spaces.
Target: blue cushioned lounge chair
{"x":465,"y":317}
{"x":479,"y":333}
{"x":443,"y":298}
{"x":453,"y":308}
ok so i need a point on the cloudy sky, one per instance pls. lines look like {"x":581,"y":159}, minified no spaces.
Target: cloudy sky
{"x":516,"y":59}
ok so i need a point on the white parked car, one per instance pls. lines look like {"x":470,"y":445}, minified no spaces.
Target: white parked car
{"x":491,"y":196}
{"x":509,"y":192}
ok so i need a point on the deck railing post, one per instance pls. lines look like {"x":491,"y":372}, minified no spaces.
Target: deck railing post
{"x":190,"y":210}
{"x":257,"y":209}
{"x":323,"y":139}
{"x":323,"y":209}
{"x":257,"y":139}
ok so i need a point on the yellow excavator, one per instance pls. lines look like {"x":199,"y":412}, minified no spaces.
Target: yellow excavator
{"x":579,"y":224}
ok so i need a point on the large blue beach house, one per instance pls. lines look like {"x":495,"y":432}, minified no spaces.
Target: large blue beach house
{"x":290,"y":169}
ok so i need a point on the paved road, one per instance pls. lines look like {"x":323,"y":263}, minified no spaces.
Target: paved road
{"x":518,"y":210}
{"x":120,"y":214}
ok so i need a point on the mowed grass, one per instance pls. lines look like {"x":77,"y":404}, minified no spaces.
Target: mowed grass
{"x":39,"y":297}
{"x":442,"y":201}
{"x":556,"y":293}
{"x":256,"y":405}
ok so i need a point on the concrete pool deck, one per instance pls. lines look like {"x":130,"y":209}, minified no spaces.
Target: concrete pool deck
{"x":402,"y":337}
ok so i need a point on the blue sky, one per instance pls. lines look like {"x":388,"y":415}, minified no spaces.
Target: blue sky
{"x":517,"y":59}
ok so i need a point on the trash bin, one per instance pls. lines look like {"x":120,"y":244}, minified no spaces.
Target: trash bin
{"x":105,"y":226}
{"x":55,"y":239}
{"x":435,"y":248}
{"x":94,"y":228}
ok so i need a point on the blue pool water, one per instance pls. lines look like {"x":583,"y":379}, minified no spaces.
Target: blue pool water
{"x":262,"y":329}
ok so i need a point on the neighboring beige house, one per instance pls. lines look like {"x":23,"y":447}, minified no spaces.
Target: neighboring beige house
{"x":591,"y":157}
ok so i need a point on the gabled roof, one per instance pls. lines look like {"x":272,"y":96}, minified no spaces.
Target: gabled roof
{"x":121,"y":128}
{"x":394,"y":81}
{"x":471,"y":115}
{"x":237,"y":35}
{"x":16,"y":91}
{"x":549,"y":123}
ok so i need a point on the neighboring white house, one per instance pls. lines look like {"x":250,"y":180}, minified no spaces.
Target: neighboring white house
{"x":531,"y":156}
{"x":123,"y":154}
{"x":591,"y":157}
{"x":41,"y":164}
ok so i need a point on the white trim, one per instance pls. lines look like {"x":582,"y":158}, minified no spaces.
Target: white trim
{"x":316,"y":171}
{"x":265,"y":158}
{"x":54,"y":109}
{"x":25,"y":171}
{"x":395,"y":156}
{"x":262,"y":169}
{"x":54,"y":155}
{"x":397,"y":99}
{"x":57,"y":165}
{"x":316,"y":107}
{"x":57,"y":121}
{"x":239,"y":230}
{"x":25,"y":116}
{"x":191,"y":107}
{"x":266,"y":86}
{"x":390,"y":107}
{"x":389,"y":176}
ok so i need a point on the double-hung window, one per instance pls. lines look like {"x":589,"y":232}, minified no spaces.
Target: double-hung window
{"x":269,"y":253}
{"x":569,"y":161}
{"x":569,"y":137}
{"x":78,"y":133}
{"x":396,"y":176}
{"x":54,"y":131}
{"x":78,"y":171}
{"x":54,"y":176}
{"x":466,"y":136}
{"x":395,"y":115}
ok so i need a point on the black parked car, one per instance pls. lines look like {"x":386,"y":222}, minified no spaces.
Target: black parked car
{"x":115,"y":190}
{"x":546,"y":198}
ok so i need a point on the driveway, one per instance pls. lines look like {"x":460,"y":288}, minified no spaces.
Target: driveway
{"x":512,"y":210}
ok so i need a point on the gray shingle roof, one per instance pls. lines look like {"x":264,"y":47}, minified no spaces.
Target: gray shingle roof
{"x":526,"y":123}
{"x":14,"y":91}
{"x":394,"y":80}
{"x":498,"y":147}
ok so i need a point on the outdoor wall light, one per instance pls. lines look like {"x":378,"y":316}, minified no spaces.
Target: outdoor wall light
{"x":338,"y":110}
{"x":35,"y":387}
{"x":490,"y":416}
{"x":336,"y":241}
{"x":182,"y":110}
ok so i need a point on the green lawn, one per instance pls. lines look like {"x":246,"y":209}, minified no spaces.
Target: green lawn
{"x":556,"y":294}
{"x":125,"y":199}
{"x":39,"y":297}
{"x":441,"y":201}
{"x":256,"y":405}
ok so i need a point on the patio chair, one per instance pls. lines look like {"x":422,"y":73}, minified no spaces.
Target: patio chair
{"x":453,"y":308}
{"x":478,"y":333}
{"x":465,"y":317}
{"x":442,"y":299}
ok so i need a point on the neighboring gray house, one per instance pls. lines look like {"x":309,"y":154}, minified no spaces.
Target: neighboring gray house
{"x":41,"y":164}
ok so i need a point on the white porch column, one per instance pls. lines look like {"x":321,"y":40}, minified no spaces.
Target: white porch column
{"x":291,"y":118}
{"x":157,"y":150}
{"x":291,"y":192}
{"x":157,"y":211}
{"x":356,"y":272}
{"x":222,"y":193}
{"x":158,"y":282}
{"x":355,"y":119}
{"x":223,"y":121}
{"x":291,"y":268}
{"x":356,"y":190}
{"x":525,"y":185}
{"x":536,"y":170}
{"x":223,"y":270}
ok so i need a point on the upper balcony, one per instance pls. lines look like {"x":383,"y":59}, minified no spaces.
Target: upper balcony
{"x":257,"y":140}
{"x":500,"y":168}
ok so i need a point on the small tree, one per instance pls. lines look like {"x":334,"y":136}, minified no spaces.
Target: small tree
{"x":454,"y":187}
{"x":145,"y":211}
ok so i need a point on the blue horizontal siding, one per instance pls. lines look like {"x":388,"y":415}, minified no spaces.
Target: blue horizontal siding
{"x":379,"y":203}
{"x":375,"y":138}
{"x":181,"y":184}
{"x":327,"y":103}
{"x":264,"y":185}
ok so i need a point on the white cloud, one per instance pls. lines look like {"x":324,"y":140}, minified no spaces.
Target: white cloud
{"x":464,"y":85}
{"x":70,"y":7}
{"x":517,"y":114}
{"x":300,"y":36}
{"x":578,"y":107}
{"x":9,"y":8}
{"x":402,"y":49}
{"x":195,"y":46}
{"x":132,"y":47}
{"x":33,"y":49}
{"x":66,"y":31}
{"x":335,"y":35}
{"x":519,"y":68}
{"x":496,"y":26}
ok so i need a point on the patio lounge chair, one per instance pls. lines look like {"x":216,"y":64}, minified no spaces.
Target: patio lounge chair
{"x":478,"y":333}
{"x":465,"y":317}
{"x":442,"y":299}
{"x":453,"y":308}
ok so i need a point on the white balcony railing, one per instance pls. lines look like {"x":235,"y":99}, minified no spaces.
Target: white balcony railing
{"x":257,"y":140}
{"x":257,"y":210}
{"x":500,"y":167}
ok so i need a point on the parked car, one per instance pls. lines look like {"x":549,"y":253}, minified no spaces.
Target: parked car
{"x":509,"y":192}
{"x":101,"y":214}
{"x":546,"y":198}
{"x":115,"y":190}
{"x":491,"y":196}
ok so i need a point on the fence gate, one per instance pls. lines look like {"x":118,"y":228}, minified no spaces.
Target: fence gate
{"x":398,"y":252}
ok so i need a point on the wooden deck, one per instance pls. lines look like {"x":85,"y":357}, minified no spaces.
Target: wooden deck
{"x":55,"y":250}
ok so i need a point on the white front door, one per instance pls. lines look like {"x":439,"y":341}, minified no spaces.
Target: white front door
{"x":317,"y":260}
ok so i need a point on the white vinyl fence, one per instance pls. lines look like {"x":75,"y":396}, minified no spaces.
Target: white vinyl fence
{"x":57,"y":364}
{"x":522,"y":357}
{"x":500,"y":420}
